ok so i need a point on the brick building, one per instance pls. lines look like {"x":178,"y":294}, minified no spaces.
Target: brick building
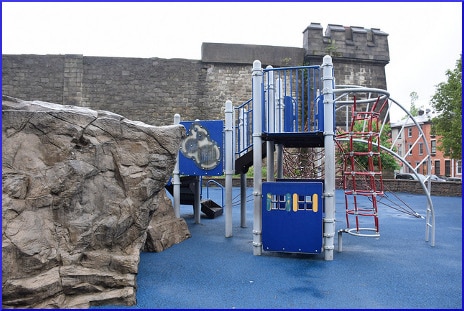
{"x":411,"y":146}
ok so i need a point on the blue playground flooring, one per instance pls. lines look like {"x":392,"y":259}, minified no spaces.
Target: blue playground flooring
{"x":399,"y":270}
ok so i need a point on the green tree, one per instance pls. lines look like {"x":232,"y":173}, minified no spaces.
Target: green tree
{"x":447,"y":101}
{"x":414,"y":111}
{"x":388,"y":161}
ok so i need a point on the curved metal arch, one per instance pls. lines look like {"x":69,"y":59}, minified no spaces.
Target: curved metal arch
{"x":345,"y":90}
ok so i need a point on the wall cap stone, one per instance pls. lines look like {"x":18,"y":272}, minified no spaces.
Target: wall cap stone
{"x":247,"y":53}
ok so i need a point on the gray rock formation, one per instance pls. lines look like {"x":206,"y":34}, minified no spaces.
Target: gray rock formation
{"x":81,"y":190}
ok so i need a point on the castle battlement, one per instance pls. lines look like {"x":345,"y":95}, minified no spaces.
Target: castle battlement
{"x":346,"y":42}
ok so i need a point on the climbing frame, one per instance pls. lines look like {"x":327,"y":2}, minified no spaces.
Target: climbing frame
{"x":362,"y":170}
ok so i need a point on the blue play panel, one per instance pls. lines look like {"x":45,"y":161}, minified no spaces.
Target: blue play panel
{"x":292,"y":216}
{"x":201,"y":150}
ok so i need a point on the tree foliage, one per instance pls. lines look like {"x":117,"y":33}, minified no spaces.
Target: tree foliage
{"x":414,"y":111}
{"x":388,"y":161}
{"x":448,"y":103}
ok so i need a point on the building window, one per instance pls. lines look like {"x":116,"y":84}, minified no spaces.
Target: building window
{"x":410,"y":149}
{"x":447,"y":168}
{"x":410,"y":132}
{"x":400,"y":150}
{"x":433,"y":146}
{"x":437,"y":167}
{"x":459,"y":167}
{"x":421,"y":148}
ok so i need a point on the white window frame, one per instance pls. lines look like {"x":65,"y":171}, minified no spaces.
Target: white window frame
{"x":433,"y":146}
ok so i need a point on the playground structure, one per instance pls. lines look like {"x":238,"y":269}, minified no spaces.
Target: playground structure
{"x":200,"y":155}
{"x":294,"y":107}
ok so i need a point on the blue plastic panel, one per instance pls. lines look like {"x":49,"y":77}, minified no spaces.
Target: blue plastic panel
{"x":201,"y":151}
{"x":292,"y":216}
{"x":289,"y":115}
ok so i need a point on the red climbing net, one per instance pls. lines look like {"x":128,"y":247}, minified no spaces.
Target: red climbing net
{"x":362,"y":168}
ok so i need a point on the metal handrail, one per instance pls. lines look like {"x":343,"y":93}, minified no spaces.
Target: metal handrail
{"x":243,"y":130}
{"x":291,"y":101}
{"x":218,"y":184}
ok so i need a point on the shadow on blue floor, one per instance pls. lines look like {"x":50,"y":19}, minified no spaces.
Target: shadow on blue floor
{"x":399,"y":270}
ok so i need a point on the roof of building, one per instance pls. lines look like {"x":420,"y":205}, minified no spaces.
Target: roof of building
{"x":425,"y":116}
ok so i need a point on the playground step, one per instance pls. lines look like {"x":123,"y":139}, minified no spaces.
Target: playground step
{"x":296,"y":140}
{"x":244,"y":162}
{"x":211,"y":209}
{"x":187,"y":189}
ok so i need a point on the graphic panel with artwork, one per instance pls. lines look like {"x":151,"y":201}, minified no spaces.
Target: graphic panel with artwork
{"x":201,"y":150}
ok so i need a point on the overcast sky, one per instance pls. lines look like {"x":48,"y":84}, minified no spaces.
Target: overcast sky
{"x":425,"y":39}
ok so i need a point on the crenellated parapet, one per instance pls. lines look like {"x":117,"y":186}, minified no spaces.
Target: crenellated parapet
{"x":346,"y":42}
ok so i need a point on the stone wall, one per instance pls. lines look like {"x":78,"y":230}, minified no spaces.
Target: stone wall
{"x":451,"y":189}
{"x":276,"y":56}
{"x":33,"y":77}
{"x":152,"y":90}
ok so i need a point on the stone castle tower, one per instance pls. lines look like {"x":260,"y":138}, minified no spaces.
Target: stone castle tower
{"x":359,"y":55}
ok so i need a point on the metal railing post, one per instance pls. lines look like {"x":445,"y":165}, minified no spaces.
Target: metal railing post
{"x":229,"y":154}
{"x":176,"y":177}
{"x":271,"y":109}
{"x":257,"y":78}
{"x":279,"y":126}
{"x":329,"y":145}
{"x":243,"y":189}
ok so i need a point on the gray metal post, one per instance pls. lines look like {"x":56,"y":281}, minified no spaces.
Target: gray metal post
{"x":270,"y":161}
{"x":329,"y":145}
{"x":257,"y":77}
{"x":243,"y":189}
{"x":229,"y":152}
{"x":270,"y":104}
{"x":279,"y":161}
{"x":196,"y":200}
{"x":243,"y":128}
{"x":197,"y":197}
{"x":176,"y":178}
{"x":340,"y":242}
{"x":279,"y":126}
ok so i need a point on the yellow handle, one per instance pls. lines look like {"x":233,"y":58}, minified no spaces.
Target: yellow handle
{"x":295,"y":202}
{"x":315,"y":205}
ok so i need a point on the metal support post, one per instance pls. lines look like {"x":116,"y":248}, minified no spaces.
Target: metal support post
{"x":257,"y":78}
{"x":279,"y":99}
{"x":229,"y":152}
{"x":279,"y":126}
{"x":176,"y":177}
{"x":340,"y":242}
{"x":196,"y":200}
{"x":271,"y":108}
{"x":279,"y":162}
{"x":243,"y":189}
{"x":329,"y":144}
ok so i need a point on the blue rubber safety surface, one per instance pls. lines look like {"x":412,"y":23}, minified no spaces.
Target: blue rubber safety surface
{"x":398,"y":270}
